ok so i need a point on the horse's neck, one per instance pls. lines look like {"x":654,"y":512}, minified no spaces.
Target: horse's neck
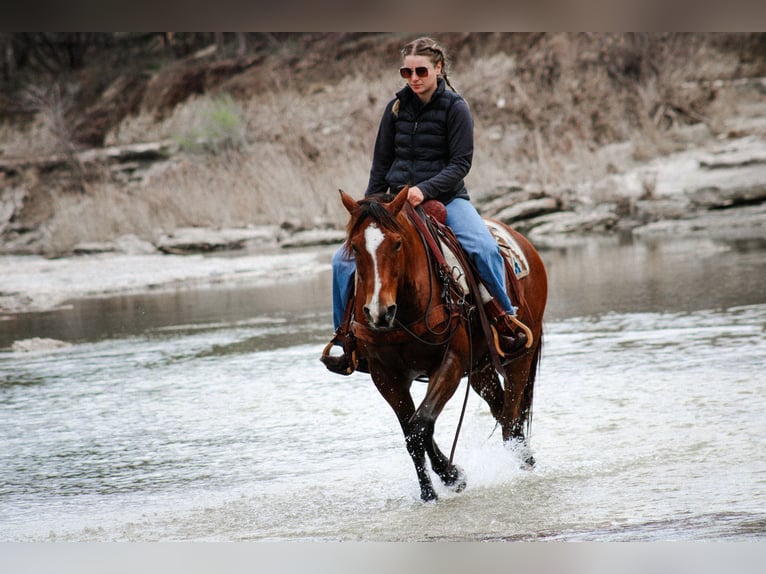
{"x":418,"y":287}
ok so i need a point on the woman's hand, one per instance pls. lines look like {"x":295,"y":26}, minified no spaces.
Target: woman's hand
{"x":415,"y":196}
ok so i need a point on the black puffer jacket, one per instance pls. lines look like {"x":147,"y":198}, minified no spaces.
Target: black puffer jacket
{"x":429,"y":145}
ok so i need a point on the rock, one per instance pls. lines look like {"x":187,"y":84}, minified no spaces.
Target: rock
{"x":569,"y":223}
{"x":717,"y":198}
{"x":502,"y":197}
{"x":94,"y":247}
{"x":291,"y":225}
{"x":151,"y":151}
{"x":744,"y":152}
{"x":11,"y":202}
{"x":313,"y":237}
{"x":199,"y":240}
{"x":655,"y":210}
{"x":129,"y":244}
{"x":37,"y":344}
{"x":740,"y":223}
{"x":528,"y":209}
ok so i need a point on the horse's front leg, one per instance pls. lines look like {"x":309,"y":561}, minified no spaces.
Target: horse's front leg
{"x":396,"y":392}
{"x":419,"y":437}
{"x":441,"y":387}
{"x":450,"y":475}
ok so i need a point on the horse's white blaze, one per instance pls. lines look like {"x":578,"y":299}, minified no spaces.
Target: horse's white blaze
{"x":373,"y":237}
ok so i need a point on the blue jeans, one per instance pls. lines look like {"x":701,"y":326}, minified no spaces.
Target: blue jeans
{"x":474,"y":237}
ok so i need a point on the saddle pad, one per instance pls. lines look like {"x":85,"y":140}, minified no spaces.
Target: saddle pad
{"x":458,"y":273}
{"x":509,"y":247}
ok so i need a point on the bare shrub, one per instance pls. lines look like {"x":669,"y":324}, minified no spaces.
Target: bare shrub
{"x":301,"y":149}
{"x":52,"y":105}
{"x":216,"y":124}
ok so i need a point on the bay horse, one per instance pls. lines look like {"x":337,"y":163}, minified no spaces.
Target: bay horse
{"x":407,"y":331}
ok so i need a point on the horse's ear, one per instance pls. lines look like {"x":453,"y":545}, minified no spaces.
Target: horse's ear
{"x":348,"y":202}
{"x":399,"y":200}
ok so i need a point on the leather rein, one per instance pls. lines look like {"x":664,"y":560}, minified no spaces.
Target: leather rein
{"x":457,"y":307}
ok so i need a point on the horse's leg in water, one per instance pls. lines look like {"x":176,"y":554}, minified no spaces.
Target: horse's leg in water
{"x":520,"y":374}
{"x":397,"y":395}
{"x":441,"y":387}
{"x":486,"y":383}
{"x":451,"y":476}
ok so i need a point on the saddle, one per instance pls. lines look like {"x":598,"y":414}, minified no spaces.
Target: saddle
{"x":444,"y":245}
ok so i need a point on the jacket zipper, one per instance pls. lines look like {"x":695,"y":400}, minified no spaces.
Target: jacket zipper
{"x":414,"y":129}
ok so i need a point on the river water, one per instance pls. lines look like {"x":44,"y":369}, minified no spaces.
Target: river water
{"x":205,"y":415}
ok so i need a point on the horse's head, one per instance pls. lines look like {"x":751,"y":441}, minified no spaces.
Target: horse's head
{"x":376,"y":236}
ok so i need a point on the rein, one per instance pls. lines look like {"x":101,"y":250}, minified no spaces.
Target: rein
{"x":404,"y":334}
{"x":465,"y":398}
{"x":427,"y":235}
{"x":473,"y":286}
{"x":455,"y":311}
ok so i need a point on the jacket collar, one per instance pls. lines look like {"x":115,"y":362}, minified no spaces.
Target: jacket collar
{"x":407,"y":96}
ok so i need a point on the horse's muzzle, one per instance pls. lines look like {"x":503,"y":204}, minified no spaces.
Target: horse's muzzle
{"x":383,"y":320}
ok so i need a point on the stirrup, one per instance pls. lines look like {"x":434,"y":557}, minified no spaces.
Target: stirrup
{"x":520,"y":340}
{"x":506,"y":345}
{"x":524,"y":329}
{"x":344,"y":364}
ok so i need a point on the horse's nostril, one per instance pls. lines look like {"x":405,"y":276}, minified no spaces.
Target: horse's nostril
{"x":390,"y":314}
{"x":367,"y":313}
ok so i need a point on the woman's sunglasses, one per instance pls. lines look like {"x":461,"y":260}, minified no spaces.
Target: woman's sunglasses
{"x":420,"y":72}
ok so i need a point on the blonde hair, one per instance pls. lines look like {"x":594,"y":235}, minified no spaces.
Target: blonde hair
{"x":430,"y":48}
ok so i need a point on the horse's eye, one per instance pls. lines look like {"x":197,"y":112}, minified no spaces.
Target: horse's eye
{"x":354,"y":248}
{"x":398,"y":245}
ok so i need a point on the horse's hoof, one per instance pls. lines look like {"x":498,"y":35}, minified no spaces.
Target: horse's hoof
{"x":528,"y":462}
{"x":455,"y":479}
{"x":459,"y":486}
{"x":521,"y":450}
{"x":428,"y":495}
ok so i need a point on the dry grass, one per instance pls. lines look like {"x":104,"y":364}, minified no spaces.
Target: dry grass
{"x":544,"y":115}
{"x":299,"y":150}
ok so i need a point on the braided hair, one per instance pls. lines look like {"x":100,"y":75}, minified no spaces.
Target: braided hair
{"x":430,"y":48}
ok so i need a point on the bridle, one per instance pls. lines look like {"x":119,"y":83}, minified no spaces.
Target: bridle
{"x":453,"y":298}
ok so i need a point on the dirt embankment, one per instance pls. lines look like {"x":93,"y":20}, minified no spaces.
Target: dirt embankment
{"x":575,"y":133}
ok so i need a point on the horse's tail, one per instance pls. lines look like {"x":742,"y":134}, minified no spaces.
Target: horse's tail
{"x":529,"y":388}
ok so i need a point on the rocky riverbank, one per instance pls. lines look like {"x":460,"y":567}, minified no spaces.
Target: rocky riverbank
{"x":696,"y":174}
{"x":716,"y":190}
{"x":719,"y":187}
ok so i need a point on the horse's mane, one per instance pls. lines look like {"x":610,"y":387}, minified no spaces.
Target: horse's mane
{"x":372,"y":207}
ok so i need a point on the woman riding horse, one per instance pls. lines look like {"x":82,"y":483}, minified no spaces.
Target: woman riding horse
{"x":413,"y":318}
{"x":425,"y":140}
